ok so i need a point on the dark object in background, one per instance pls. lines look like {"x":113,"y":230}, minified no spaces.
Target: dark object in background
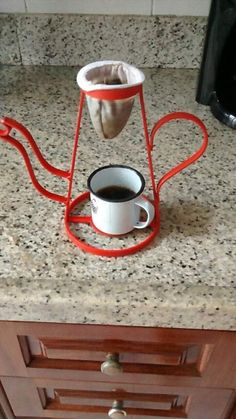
{"x":217,"y":78}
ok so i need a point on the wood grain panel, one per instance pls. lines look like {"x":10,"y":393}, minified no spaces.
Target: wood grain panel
{"x":158,"y":359}
{"x":179,"y":402}
{"x":149,"y":355}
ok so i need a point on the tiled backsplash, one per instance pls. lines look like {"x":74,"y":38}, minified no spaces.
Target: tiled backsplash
{"x":147,"y":33}
{"x":69,"y":39}
{"x":133,"y":7}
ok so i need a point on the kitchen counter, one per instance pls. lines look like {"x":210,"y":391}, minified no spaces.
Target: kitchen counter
{"x":185,"y":278}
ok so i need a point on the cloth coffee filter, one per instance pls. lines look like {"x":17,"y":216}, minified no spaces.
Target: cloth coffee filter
{"x":109,"y":117}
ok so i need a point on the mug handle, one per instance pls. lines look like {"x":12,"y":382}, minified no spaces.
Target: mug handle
{"x":149,"y":208}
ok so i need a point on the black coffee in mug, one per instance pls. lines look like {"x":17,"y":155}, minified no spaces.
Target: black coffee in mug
{"x":115,"y":193}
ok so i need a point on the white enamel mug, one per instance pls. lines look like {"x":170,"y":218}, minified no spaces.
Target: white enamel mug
{"x":116,"y":199}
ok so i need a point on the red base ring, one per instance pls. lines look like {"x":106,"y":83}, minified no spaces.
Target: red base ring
{"x":97,"y":250}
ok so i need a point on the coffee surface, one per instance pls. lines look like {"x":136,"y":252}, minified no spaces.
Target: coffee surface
{"x":115,"y":193}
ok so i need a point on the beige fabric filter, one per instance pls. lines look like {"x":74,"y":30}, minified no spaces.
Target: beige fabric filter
{"x":109,"y":117}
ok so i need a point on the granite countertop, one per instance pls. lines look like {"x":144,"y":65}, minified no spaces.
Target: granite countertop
{"x":185,"y":278}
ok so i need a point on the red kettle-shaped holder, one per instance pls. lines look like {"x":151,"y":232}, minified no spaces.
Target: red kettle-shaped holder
{"x":70,"y":219}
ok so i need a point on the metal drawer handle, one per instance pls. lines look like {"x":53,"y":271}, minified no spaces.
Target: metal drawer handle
{"x":117,"y":412}
{"x":111,"y":366}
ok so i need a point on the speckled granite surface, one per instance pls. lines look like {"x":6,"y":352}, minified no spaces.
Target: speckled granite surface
{"x":9,"y":43}
{"x":185,"y":278}
{"x":148,"y":41}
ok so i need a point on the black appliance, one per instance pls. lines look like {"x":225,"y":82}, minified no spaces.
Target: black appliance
{"x":217,"y":78}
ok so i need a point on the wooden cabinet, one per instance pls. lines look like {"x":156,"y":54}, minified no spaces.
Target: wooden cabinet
{"x":54,"y":371}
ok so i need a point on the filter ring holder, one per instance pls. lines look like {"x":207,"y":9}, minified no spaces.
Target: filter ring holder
{"x":100,"y":251}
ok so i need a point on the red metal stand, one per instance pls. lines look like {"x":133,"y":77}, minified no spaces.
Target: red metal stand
{"x":70,"y":219}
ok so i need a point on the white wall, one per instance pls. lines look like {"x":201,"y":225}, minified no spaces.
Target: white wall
{"x":135,"y":7}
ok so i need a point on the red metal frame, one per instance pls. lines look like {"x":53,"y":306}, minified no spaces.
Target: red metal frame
{"x":110,"y":94}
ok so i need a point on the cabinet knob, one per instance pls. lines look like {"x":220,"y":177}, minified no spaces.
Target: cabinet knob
{"x":111,"y":366}
{"x":117,"y":412}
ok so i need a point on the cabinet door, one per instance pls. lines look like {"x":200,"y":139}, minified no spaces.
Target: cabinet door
{"x":146,"y":355}
{"x":43,"y":398}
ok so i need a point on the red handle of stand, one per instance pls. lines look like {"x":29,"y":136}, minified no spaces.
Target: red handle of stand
{"x":195,"y":156}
